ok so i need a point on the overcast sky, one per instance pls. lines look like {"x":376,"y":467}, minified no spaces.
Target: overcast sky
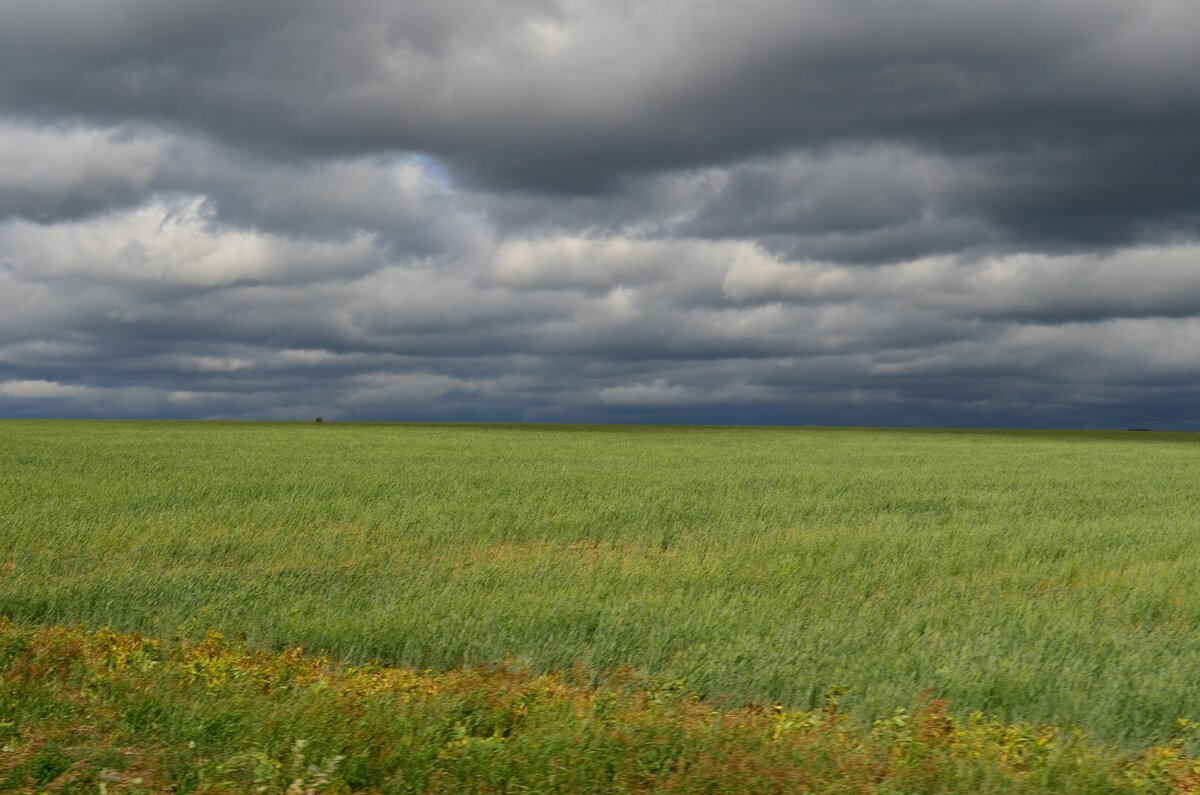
{"x":936,"y":212}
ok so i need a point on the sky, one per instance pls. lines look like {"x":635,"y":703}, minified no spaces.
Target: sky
{"x":810,"y":212}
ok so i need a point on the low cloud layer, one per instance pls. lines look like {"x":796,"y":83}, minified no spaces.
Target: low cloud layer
{"x":941,"y":213}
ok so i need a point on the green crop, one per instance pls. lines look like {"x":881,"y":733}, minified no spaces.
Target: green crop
{"x":1038,"y":577}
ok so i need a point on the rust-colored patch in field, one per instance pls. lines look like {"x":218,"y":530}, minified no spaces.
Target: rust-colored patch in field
{"x":346,"y":532}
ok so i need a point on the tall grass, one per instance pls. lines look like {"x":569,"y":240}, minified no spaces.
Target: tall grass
{"x":106,"y":712}
{"x":1035,"y":576}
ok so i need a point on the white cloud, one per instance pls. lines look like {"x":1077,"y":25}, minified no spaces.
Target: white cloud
{"x":49,"y":172}
{"x":44,"y":390}
{"x":173,"y":243}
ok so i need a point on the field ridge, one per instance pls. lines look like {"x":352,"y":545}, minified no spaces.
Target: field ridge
{"x":117,"y":712}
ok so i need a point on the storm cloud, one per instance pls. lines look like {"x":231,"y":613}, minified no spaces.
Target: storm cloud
{"x":941,"y":212}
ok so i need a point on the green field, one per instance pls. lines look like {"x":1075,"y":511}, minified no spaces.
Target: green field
{"x":1035,"y":576}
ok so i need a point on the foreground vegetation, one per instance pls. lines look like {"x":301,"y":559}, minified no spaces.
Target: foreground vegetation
{"x":1038,"y":577}
{"x":101,"y":711}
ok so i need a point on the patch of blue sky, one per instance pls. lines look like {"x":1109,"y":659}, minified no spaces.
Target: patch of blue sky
{"x":434,"y":169}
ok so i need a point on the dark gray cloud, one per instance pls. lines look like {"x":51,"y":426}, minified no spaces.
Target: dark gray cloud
{"x":941,"y":212}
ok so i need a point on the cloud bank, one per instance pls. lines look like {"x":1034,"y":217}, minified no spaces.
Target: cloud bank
{"x":943,"y":213}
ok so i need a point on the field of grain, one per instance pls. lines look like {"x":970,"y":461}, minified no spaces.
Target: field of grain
{"x":1037,"y":577}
